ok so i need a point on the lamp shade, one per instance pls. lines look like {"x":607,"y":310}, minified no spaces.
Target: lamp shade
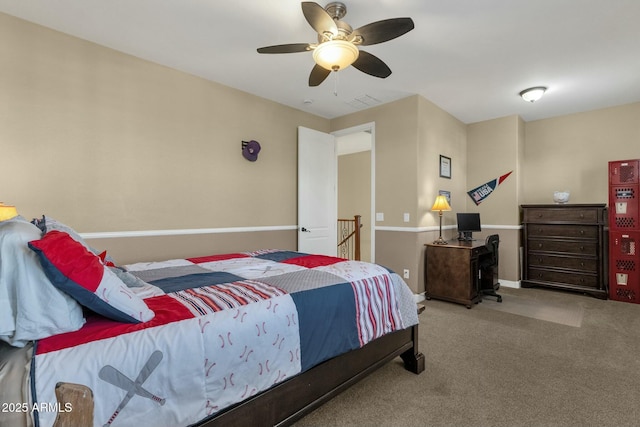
{"x":441,"y":204}
{"x":335,"y":55}
{"x":7,"y":212}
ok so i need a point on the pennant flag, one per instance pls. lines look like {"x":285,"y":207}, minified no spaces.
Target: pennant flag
{"x":478,"y":194}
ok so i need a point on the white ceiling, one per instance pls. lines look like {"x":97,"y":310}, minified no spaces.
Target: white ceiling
{"x":469,"y":57}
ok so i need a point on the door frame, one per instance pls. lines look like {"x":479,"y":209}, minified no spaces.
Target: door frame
{"x":370,"y":128}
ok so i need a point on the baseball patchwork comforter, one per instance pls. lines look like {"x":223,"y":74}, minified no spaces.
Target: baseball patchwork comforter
{"x":225,"y":327}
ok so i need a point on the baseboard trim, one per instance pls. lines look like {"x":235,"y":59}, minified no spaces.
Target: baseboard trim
{"x":510,"y":284}
{"x":506,"y":283}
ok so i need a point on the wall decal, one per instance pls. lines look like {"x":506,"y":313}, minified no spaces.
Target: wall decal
{"x":478,"y":194}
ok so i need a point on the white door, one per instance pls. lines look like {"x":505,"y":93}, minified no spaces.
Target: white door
{"x":317,"y":192}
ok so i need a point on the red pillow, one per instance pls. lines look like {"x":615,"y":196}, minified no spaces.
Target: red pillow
{"x":78,"y":272}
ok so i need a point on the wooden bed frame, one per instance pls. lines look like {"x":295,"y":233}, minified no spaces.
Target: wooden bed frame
{"x":291,"y":400}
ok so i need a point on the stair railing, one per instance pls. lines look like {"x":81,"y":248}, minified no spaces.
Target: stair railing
{"x":349,"y":238}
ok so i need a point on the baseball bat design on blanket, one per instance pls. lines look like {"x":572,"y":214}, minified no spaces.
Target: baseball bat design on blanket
{"x":113,"y":376}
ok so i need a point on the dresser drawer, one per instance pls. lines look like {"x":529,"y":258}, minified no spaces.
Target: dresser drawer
{"x":563,"y":230}
{"x":585,"y":248}
{"x":561,"y":215}
{"x":571,"y":263}
{"x":541,"y":275}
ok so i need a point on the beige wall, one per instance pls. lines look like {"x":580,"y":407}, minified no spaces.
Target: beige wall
{"x":495,"y":147}
{"x":354,"y":195}
{"x":569,"y":152}
{"x":396,"y":168}
{"x":127,"y":250}
{"x":439,"y":133}
{"x":572,"y":153}
{"x":395,"y":154}
{"x":107,"y":142}
{"x":410,"y":134}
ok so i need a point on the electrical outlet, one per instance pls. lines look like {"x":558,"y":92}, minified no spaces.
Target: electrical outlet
{"x":406,"y":273}
{"x":379,"y":216}
{"x":407,"y":217}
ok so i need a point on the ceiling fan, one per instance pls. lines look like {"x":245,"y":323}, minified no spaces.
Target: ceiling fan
{"x":337,"y":45}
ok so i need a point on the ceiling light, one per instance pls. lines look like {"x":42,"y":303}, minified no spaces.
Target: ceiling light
{"x":335,"y":55}
{"x":533,"y":93}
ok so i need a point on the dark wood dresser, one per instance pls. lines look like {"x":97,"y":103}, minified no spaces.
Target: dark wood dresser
{"x":564,"y":247}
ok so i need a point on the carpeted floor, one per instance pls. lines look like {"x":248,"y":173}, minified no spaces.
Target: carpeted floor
{"x":560,"y":359}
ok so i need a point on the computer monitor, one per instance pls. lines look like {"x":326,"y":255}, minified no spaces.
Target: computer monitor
{"x":467,"y":224}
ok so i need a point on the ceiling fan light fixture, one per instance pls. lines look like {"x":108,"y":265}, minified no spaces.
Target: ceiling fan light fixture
{"x":335,"y":55}
{"x":533,"y":93}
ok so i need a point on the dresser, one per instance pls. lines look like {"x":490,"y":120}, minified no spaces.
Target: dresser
{"x":564,"y":247}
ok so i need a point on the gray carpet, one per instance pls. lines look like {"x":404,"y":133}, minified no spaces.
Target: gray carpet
{"x":488,"y":367}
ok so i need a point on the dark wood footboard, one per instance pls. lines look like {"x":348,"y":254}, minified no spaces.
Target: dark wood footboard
{"x":289,"y":401}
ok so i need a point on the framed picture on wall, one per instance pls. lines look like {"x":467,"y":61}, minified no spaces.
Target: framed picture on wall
{"x":445,"y":166}
{"x":446,"y":194}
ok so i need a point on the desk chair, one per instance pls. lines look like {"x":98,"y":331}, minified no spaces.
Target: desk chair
{"x":489,"y":268}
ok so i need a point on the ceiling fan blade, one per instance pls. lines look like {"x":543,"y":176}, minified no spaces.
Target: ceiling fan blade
{"x":285,"y":48}
{"x":318,"y":75}
{"x":318,"y":18}
{"x":372,"y":65}
{"x":382,"y":31}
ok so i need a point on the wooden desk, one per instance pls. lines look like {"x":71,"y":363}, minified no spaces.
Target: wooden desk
{"x":451,"y":271}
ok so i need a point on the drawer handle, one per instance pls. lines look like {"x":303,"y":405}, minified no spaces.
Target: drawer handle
{"x":582,"y":232}
{"x":581,"y":248}
{"x":582,"y":264}
{"x":540,"y":230}
{"x":540,"y":260}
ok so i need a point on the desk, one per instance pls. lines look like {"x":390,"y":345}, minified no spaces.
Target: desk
{"x":452,"y":271}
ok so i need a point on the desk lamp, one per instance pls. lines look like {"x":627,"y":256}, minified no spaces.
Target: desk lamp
{"x":440,"y":205}
{"x":7,"y":212}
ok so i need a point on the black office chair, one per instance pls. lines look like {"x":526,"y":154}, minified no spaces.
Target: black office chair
{"x":489,"y":283}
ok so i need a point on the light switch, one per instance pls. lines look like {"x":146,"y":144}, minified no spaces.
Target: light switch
{"x":379,"y":216}
{"x":406,"y":217}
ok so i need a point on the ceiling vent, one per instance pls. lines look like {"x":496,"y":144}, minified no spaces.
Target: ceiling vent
{"x":363,"y":101}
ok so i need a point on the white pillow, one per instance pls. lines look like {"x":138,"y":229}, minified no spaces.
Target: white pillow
{"x":31,"y":308}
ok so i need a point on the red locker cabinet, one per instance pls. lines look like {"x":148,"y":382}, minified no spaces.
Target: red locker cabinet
{"x":624,"y":207}
{"x":624,"y":230}
{"x":623,"y":172}
{"x":624,"y":266}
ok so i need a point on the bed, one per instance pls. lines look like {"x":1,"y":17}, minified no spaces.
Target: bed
{"x":249,"y":338}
